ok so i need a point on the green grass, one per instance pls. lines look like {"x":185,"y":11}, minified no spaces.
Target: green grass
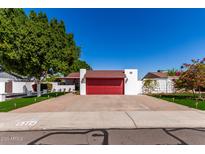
{"x":21,"y":102}
{"x":183,"y":99}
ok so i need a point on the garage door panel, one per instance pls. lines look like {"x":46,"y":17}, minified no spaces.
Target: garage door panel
{"x":105,"y":86}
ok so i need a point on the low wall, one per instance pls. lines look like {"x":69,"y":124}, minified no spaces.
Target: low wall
{"x":2,"y":87}
{"x":2,"y":97}
{"x":21,"y":87}
{"x":66,"y":88}
{"x":139,"y":87}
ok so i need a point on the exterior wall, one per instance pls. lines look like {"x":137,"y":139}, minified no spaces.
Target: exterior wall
{"x":18,"y":87}
{"x":164,"y":85}
{"x":82,"y":82}
{"x":170,"y":84}
{"x":2,"y":97}
{"x":132,"y":85}
{"x":139,"y":85}
{"x":29,"y":86}
{"x":2,"y":87}
{"x":21,"y":87}
{"x":4,"y":79}
{"x":66,"y":88}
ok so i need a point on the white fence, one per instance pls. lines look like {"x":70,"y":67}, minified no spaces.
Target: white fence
{"x":2,"y":87}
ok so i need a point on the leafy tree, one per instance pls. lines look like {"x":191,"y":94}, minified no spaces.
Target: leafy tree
{"x":78,"y":64}
{"x":193,"y":77}
{"x":173,"y":72}
{"x":149,"y":85}
{"x":12,"y":33}
{"x":51,"y":78}
{"x":31,"y":45}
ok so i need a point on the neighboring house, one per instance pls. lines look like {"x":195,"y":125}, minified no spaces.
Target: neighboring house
{"x":4,"y":77}
{"x":68,"y":83}
{"x":107,"y":82}
{"x":11,"y":83}
{"x":72,"y":79}
{"x":164,"y":82}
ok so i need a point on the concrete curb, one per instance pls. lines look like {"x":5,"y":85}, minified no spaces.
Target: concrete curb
{"x":101,"y":120}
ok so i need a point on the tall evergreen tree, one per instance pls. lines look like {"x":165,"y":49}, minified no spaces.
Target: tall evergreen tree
{"x":31,"y":45}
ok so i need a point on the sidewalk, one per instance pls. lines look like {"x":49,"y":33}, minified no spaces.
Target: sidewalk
{"x":101,"y":120}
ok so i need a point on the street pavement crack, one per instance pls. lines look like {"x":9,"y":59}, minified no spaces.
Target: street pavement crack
{"x":195,"y":129}
{"x":177,"y":138}
{"x":131,"y":119}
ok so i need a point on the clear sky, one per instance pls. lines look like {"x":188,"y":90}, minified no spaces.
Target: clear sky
{"x":146,"y":39}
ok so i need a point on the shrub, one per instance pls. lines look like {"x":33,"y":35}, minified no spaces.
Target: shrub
{"x":49,"y":86}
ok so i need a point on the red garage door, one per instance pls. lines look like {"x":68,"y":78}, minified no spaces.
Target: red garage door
{"x":105,"y":86}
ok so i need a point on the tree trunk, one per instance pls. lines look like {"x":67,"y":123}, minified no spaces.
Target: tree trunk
{"x":193,"y":91}
{"x":38,"y":88}
{"x":200,"y":96}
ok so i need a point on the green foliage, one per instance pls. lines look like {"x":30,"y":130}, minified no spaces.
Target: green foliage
{"x":183,"y":99}
{"x":149,"y":86}
{"x":172,"y":72}
{"x":193,"y":76}
{"x":49,"y":86}
{"x":78,"y":64}
{"x":51,"y":78}
{"x":30,"y":45}
{"x":12,"y":34}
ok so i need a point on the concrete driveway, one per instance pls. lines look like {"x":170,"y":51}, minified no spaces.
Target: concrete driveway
{"x":95,"y":103}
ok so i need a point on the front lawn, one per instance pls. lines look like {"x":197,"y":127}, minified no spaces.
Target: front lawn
{"x":183,"y":99}
{"x":21,"y":102}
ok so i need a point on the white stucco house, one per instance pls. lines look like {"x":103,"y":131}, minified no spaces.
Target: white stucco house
{"x":11,"y":83}
{"x":164,"y":82}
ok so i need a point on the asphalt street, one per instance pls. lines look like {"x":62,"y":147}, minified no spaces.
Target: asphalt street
{"x":180,"y":136}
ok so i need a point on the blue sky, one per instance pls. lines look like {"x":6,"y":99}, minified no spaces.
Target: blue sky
{"x":146,"y":39}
